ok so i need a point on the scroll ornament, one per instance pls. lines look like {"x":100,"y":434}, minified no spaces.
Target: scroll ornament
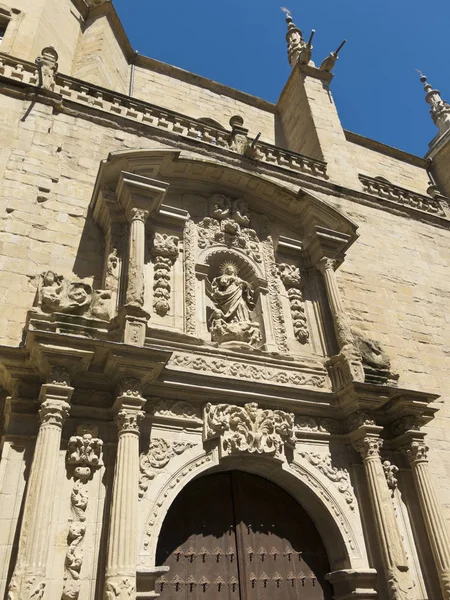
{"x":229,"y":226}
{"x":165,"y":253}
{"x":290,"y":276}
{"x":84,"y":452}
{"x":249,"y":429}
{"x":159,"y":454}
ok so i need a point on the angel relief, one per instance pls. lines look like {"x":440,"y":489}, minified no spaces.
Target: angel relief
{"x":233,"y":300}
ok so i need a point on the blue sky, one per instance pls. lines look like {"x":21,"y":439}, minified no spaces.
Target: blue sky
{"x":241,"y":43}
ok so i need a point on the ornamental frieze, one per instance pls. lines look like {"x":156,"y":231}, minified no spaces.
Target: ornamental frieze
{"x":224,"y":367}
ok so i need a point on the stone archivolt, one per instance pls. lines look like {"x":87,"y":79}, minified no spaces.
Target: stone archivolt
{"x":159,"y":454}
{"x":338,"y":476}
{"x":249,"y":429}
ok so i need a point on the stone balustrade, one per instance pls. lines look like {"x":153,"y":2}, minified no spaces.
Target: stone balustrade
{"x":142,"y":112}
{"x":399,"y":195}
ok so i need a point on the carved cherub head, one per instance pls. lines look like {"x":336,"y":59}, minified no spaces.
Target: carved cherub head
{"x":229,"y":268}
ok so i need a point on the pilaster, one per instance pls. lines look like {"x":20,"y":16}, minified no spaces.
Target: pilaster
{"x":347,"y":366}
{"x":417,"y":453}
{"x":396,"y":571}
{"x":29,"y":577}
{"x":123,"y":534}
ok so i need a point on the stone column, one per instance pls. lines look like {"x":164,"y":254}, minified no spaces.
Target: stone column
{"x":123,"y":535}
{"x":348,"y":352}
{"x":135,"y":286}
{"x":435,"y":523}
{"x":132,"y":315}
{"x":29,"y":578}
{"x":393,"y":555}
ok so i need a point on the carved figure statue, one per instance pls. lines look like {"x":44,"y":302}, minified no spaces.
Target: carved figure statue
{"x":234,"y":300}
{"x":232,"y":295}
{"x":51,"y":291}
{"x":47,"y":64}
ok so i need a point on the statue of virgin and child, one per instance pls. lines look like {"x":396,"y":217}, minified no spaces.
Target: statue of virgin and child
{"x":234,"y":301}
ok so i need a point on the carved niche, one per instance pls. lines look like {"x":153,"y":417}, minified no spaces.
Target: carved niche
{"x":233,"y":300}
{"x":59,"y":295}
{"x":249,"y":429}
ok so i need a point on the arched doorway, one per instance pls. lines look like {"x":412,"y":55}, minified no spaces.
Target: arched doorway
{"x":233,"y":535}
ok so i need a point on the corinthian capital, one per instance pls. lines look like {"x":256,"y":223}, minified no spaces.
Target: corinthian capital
{"x":326,"y":264}
{"x":369,"y":447}
{"x":138,"y":214}
{"x":417,"y":451}
{"x":128,"y":420}
{"x":54,"y":412}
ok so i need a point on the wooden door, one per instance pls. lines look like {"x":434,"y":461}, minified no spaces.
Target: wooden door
{"x":237,"y":536}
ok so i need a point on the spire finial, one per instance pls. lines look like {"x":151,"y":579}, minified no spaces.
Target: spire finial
{"x":294,"y":38}
{"x":440,"y":110}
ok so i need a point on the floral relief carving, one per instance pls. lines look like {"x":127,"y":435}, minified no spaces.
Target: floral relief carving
{"x":25,"y":588}
{"x":338,"y":476}
{"x":58,"y":295}
{"x":121,"y":588}
{"x":84,"y":452}
{"x":176,"y":410}
{"x":290,"y":276}
{"x":276,"y":307}
{"x":229,"y":226}
{"x":190,"y":244}
{"x":159,"y":453}
{"x":164,"y":253}
{"x":323,"y":425}
{"x":249,"y":429}
{"x":243,"y":370}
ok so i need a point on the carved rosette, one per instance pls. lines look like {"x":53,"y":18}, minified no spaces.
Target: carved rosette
{"x":84,"y":452}
{"x":338,"y":476}
{"x":159,"y":454}
{"x":164,"y":253}
{"x":249,"y":429}
{"x":290,"y":276}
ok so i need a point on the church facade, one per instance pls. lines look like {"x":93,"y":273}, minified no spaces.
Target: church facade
{"x":224,"y":329}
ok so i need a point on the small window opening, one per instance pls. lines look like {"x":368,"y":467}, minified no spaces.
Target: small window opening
{"x":2,"y":32}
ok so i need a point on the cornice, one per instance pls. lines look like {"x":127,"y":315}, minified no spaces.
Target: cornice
{"x":102,"y":106}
